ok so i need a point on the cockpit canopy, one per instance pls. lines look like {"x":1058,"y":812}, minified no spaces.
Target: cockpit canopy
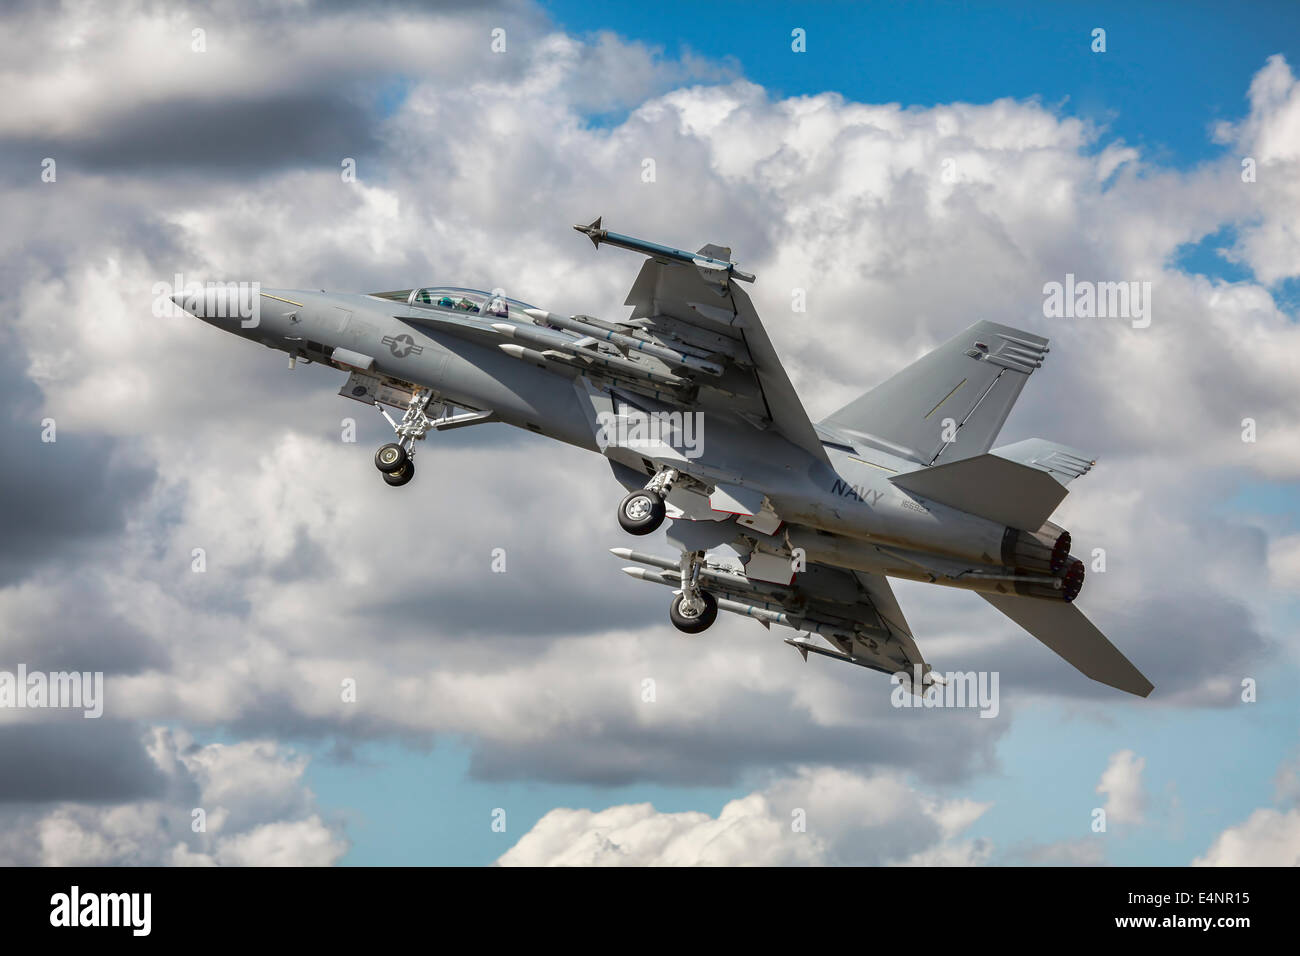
{"x":454,"y":299}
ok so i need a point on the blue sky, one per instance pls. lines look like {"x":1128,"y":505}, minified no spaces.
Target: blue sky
{"x":1169,"y":72}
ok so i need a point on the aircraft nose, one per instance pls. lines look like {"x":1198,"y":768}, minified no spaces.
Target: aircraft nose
{"x":187,"y":303}
{"x":234,"y":300}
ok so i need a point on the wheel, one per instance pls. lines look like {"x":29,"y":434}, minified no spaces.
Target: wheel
{"x":700,"y":620}
{"x":391,"y":457}
{"x":401,"y":476}
{"x":641,"y":512}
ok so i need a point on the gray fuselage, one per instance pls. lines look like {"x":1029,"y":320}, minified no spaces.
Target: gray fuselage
{"x":846,"y":513}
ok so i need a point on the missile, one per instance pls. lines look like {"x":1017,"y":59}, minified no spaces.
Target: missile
{"x":635,"y":328}
{"x":528,"y":355}
{"x":597,"y":235}
{"x":627,"y":554}
{"x":534,"y":335}
{"x":566,"y":351}
{"x":645,"y":574}
{"x":803,"y":647}
{"x":585,"y":326}
{"x":670,"y":577}
{"x":722,"y":577}
{"x":541,"y":315}
{"x":654,"y":560}
{"x":762,"y":615}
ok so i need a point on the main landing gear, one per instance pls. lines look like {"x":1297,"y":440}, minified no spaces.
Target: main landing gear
{"x":693,"y":609}
{"x":396,"y":460}
{"x":643,"y":511}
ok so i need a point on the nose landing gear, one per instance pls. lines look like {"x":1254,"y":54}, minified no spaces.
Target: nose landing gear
{"x":396,"y":460}
{"x":391,"y":457}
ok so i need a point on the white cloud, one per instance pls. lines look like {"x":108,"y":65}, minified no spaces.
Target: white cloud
{"x":1086,"y":851}
{"x":820,"y":817}
{"x":306,"y":842}
{"x":317,"y":572}
{"x":1267,"y":838}
{"x":258,"y":812}
{"x":1284,"y":562}
{"x":1121,"y":781}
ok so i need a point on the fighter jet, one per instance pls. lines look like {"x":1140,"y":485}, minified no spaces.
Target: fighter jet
{"x":688,"y":401}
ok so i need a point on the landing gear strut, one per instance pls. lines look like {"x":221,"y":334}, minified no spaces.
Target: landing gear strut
{"x":694,"y":609}
{"x":642,"y":512}
{"x":396,"y":460}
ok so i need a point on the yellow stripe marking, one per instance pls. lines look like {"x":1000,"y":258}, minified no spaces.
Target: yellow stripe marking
{"x":278,"y":299}
{"x":941,"y":401}
{"x":874,"y":465}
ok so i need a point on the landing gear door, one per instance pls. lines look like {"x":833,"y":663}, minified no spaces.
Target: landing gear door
{"x":369,"y":389}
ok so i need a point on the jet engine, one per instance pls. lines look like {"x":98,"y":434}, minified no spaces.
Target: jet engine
{"x":1043,"y":552}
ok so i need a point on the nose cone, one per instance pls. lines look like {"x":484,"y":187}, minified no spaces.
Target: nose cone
{"x":221,"y":301}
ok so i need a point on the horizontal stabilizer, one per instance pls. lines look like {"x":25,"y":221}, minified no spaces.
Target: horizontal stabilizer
{"x":1065,"y":630}
{"x":1062,"y":462}
{"x":990,"y":486}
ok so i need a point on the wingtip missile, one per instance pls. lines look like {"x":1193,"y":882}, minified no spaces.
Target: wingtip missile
{"x":716,"y":269}
{"x":592,"y":231}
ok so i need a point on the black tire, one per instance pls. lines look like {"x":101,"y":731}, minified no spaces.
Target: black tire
{"x":400,"y":477}
{"x":700,"y":622}
{"x":641,"y":512}
{"x":390,"y":458}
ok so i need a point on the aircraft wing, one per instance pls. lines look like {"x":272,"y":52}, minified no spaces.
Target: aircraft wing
{"x":689,"y":304}
{"x":881,"y":597}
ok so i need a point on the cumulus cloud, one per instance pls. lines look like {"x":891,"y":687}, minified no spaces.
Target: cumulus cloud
{"x":1269,"y":836}
{"x":257,"y":811}
{"x":471,"y":166}
{"x":1121,"y":782}
{"x":1086,"y":851}
{"x":1269,"y":138}
{"x":817,"y":817}
{"x":1266,"y":838}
